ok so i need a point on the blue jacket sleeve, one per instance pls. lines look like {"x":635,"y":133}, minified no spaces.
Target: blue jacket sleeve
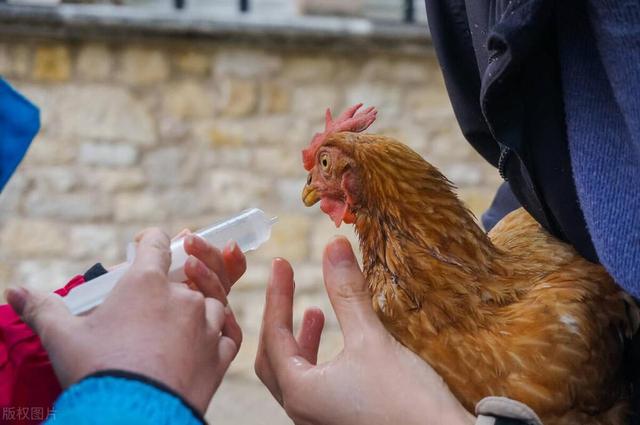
{"x":121,"y":398}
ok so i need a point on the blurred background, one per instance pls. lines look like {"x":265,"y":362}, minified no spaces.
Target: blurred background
{"x":175,"y":113}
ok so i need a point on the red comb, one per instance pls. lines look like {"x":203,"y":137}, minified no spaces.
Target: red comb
{"x":349,"y":120}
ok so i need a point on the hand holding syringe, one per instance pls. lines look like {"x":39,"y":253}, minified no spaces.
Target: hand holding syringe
{"x":249,"y":229}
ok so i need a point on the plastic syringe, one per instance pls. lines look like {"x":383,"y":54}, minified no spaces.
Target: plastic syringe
{"x":249,"y":229}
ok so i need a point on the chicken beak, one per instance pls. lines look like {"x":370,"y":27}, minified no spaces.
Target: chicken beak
{"x":309,"y":195}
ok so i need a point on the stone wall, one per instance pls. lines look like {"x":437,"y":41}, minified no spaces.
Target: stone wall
{"x":178,"y":133}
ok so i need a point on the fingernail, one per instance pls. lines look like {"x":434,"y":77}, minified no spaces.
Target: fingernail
{"x":17,"y":298}
{"x":188,"y":240}
{"x":339,"y":252}
{"x":233,"y":247}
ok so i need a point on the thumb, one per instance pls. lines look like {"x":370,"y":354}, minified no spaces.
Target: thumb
{"x":41,"y":311}
{"x":348,"y":290}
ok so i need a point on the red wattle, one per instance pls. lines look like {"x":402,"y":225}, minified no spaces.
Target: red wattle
{"x":335,"y":208}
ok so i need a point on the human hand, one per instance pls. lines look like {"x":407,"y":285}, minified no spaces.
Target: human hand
{"x":374,"y":380}
{"x":147,"y":325}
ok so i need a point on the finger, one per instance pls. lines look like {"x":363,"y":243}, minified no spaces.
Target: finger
{"x":262,"y":366}
{"x":204,"y":280}
{"x":279,"y":343}
{"x":214,"y":313}
{"x":153,"y":251}
{"x":209,"y":255}
{"x":42,"y":312}
{"x":310,"y":333}
{"x":264,"y":371}
{"x":181,"y":234}
{"x":227,"y":351}
{"x":347,"y":289}
{"x":231,"y":328}
{"x":231,"y":340}
{"x":234,"y":262}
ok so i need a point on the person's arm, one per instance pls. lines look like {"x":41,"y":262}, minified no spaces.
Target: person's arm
{"x":114,"y":397}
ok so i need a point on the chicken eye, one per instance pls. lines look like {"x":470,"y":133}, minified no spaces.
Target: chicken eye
{"x":324,"y":161}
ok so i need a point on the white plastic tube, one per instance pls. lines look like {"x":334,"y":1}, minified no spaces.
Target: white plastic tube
{"x":249,"y":229}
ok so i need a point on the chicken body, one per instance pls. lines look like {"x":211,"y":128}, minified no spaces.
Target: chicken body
{"x":516,"y":313}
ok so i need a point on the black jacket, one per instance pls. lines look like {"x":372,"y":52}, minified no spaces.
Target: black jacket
{"x":499,"y":59}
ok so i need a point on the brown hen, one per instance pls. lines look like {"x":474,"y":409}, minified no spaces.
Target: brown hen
{"x":516,"y":313}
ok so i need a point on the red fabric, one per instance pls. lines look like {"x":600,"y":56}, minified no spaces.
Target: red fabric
{"x":27,"y":380}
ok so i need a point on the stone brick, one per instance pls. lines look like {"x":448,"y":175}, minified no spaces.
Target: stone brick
{"x":238,"y":97}
{"x":173,"y":166}
{"x":426,"y":101}
{"x":11,"y":195}
{"x":288,"y":194}
{"x":144,"y":208}
{"x":15,"y":60}
{"x":234,"y":190}
{"x":229,"y":156}
{"x":103,"y":112}
{"x":54,"y":178}
{"x":31,"y":238}
{"x":184,"y":203}
{"x":309,"y":69}
{"x":50,"y":150}
{"x":446,"y":140}
{"x":248,"y":308}
{"x":245,"y":63}
{"x":393,"y":69}
{"x":376,"y":69}
{"x":308,"y":277}
{"x":410,"y":71}
{"x":387,"y":98}
{"x":173,"y":129}
{"x":112,"y":180}
{"x":67,"y":206}
{"x":278,"y":161}
{"x":52,"y":63}
{"x":192,"y":62}
{"x":108,"y":154}
{"x":188,"y":99}
{"x":289,"y":239}
{"x":95,"y":62}
{"x":230,"y":135}
{"x":96,"y":243}
{"x":312,"y":100}
{"x":278,"y":131}
{"x":143,"y":65}
{"x":47,"y":275}
{"x":256,"y":276}
{"x":412,"y":135}
{"x":463,"y":174}
{"x":276,"y":99}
